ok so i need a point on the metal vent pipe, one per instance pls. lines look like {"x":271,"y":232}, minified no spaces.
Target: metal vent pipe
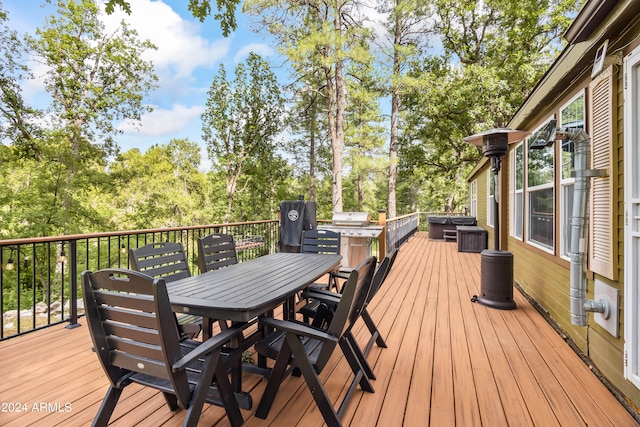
{"x":578,"y":281}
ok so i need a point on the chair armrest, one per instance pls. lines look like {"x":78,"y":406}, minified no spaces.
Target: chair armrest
{"x":300,"y":329}
{"x":208,"y":346}
{"x":325,"y":296}
{"x":341,"y":274}
{"x":317,"y":293}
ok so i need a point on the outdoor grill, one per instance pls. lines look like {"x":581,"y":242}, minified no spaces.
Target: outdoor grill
{"x":355,"y":235}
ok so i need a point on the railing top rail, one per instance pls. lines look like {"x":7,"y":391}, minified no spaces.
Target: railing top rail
{"x":66,"y":237}
{"x":397,"y":218}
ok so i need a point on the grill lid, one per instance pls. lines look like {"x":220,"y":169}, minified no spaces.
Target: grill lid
{"x":350,"y":219}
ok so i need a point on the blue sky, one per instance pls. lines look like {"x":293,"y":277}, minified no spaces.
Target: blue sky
{"x":188,"y":56}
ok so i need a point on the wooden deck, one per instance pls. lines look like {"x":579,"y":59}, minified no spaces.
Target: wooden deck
{"x":449,"y":362}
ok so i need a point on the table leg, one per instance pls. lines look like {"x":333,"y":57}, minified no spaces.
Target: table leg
{"x":207,"y":328}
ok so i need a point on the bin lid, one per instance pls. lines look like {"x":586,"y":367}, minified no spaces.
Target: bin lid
{"x":350,"y":219}
{"x":438,"y":219}
{"x":463,"y":220}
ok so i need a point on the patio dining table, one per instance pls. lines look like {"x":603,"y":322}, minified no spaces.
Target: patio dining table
{"x":244,"y":291}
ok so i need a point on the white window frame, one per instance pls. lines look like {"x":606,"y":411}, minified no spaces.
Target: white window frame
{"x":566,"y":180}
{"x":490,"y":219}
{"x":531,"y":190}
{"x":632,"y":225}
{"x":473,"y":198}
{"x":517,"y":212}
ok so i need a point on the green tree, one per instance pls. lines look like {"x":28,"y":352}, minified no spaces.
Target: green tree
{"x":18,"y":122}
{"x":309,"y":145}
{"x":241,"y":120}
{"x":494,"y":52}
{"x":364,"y":134}
{"x":407,"y":27}
{"x":94,"y":79}
{"x":323,"y":37}
{"x":159,"y":188}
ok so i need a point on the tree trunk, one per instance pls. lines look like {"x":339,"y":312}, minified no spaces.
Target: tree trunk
{"x":312,"y":155}
{"x":337,"y":141}
{"x":395,"y":110}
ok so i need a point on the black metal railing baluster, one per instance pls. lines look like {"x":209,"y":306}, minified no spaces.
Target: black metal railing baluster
{"x":73,"y":285}
{"x":54,"y":280}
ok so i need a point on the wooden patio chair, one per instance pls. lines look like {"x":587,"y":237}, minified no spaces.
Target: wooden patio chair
{"x":216,"y":251}
{"x":343,"y":273}
{"x":331,"y":300}
{"x":168,"y":261}
{"x":308,"y":348}
{"x":130,"y":321}
{"x":321,"y":242}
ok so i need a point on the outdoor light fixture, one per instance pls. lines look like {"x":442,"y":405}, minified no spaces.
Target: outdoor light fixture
{"x":123,"y":249}
{"x":10,"y":265}
{"x":497,"y":265}
{"x":63,"y":256}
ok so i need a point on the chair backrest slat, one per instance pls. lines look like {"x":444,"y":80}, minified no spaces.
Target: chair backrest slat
{"x":320,"y":242}
{"x":392,"y":259}
{"x":129,"y":349}
{"x":127,"y":316}
{"x":352,"y":302}
{"x":160,"y":259}
{"x":126,"y":300}
{"x":132,"y":326}
{"x":130,"y":362}
{"x":378,"y":277}
{"x":134,"y":333}
{"x":216,"y":251}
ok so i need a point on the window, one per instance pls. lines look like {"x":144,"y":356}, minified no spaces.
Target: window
{"x":473,"y":196}
{"x":517,"y":191}
{"x":571,"y":116}
{"x":490,"y":201}
{"x":540,"y":194}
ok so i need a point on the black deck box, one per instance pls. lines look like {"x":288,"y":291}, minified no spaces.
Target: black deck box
{"x":471,"y":239}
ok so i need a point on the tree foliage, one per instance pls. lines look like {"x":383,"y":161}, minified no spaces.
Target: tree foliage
{"x":226,"y":11}
{"x":161,"y":187}
{"x":59,"y":156}
{"x":241,"y":121}
{"x":320,"y":38}
{"x":494,"y":52}
{"x":63,"y":172}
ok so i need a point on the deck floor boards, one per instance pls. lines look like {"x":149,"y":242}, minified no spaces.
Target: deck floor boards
{"x":449,"y":362}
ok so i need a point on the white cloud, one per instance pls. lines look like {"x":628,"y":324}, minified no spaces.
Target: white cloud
{"x":181,"y":48}
{"x":162,"y":121}
{"x":375,"y":21}
{"x":261,"y":49}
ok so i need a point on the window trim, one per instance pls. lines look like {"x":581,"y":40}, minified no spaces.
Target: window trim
{"x":532,"y":189}
{"x":565,"y":209}
{"x":515,"y":191}
{"x":490,"y":219}
{"x":473,"y":198}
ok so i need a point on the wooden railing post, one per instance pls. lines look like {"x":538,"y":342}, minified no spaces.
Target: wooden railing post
{"x":382,"y":239}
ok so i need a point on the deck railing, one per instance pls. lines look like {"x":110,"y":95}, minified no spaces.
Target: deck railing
{"x":40,"y":277}
{"x":399,"y":229}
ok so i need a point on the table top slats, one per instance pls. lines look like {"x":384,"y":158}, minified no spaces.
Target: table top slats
{"x":245,"y":290}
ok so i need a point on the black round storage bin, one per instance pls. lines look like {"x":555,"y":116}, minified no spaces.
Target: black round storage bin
{"x":496,"y":280}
